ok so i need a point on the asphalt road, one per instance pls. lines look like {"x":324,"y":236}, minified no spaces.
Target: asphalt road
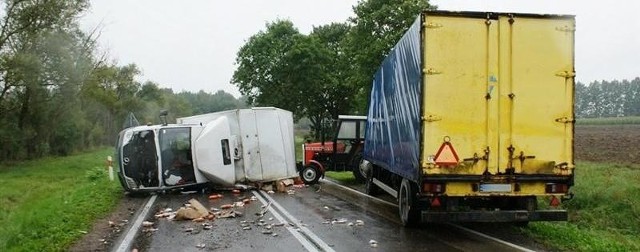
{"x":318,"y":218}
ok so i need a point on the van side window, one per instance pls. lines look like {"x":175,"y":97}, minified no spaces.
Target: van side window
{"x":226,"y":154}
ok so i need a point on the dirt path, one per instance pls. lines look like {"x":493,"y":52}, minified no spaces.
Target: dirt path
{"x":106,"y":230}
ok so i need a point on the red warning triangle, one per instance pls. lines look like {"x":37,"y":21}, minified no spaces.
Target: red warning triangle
{"x":446,"y":155}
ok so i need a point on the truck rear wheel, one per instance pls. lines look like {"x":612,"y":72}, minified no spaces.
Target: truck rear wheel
{"x":408,"y":204}
{"x":310,"y":174}
{"x":371,"y":188}
{"x":357,"y":173}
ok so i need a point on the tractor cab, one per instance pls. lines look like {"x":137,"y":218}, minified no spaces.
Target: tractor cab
{"x":342,"y":153}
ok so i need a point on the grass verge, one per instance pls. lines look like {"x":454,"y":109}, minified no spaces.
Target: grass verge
{"x":343,"y":177}
{"x":609,"y":120}
{"x":47,"y":204}
{"x":604,"y":214}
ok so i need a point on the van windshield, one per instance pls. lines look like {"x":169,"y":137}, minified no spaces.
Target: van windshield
{"x":177,"y":161}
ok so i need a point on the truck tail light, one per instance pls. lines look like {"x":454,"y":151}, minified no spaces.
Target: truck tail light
{"x":433,"y":187}
{"x":556,"y":188}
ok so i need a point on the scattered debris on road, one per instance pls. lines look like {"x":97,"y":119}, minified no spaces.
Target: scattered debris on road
{"x":283,"y":184}
{"x":228,"y":214}
{"x":215,"y":196}
{"x":373,"y":243}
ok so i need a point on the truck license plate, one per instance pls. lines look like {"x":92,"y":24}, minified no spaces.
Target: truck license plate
{"x":495,"y":187}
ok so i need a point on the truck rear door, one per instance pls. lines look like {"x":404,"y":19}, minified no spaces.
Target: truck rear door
{"x":498,"y":94}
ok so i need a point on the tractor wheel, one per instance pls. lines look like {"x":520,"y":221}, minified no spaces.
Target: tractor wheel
{"x":408,"y":204}
{"x":310,"y":174}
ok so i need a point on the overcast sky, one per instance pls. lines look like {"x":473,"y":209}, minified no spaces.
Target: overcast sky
{"x":191,"y":45}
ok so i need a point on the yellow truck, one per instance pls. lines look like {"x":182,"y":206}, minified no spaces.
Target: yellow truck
{"x":471,"y":118}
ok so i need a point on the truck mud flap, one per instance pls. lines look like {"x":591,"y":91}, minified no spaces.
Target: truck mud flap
{"x":495,"y":216}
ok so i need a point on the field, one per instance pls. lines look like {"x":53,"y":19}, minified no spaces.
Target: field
{"x":614,"y":143}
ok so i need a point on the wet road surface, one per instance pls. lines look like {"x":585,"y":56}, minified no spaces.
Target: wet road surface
{"x":323,"y":217}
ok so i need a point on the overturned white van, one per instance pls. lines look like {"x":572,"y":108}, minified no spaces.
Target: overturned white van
{"x":223,"y":148}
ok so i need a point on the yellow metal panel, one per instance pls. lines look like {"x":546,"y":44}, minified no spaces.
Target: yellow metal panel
{"x":460,"y":71}
{"x":536,"y":93}
{"x":501,"y":91}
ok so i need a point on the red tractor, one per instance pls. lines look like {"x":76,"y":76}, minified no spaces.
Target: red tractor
{"x":344,"y":153}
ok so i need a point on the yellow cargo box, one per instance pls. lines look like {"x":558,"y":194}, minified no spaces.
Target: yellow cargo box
{"x":475,"y":106}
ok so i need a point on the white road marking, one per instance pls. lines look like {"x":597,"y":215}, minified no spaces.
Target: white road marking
{"x":305,"y":243}
{"x":310,"y":235}
{"x":358,"y":192}
{"x":508,"y":244}
{"x":125,"y":245}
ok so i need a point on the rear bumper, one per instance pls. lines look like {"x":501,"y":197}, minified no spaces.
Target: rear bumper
{"x":495,"y":216}
{"x":549,"y":178}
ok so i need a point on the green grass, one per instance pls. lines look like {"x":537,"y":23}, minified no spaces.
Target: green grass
{"x":603,"y":216}
{"x":47,"y":204}
{"x":609,"y":120}
{"x":343,"y":177}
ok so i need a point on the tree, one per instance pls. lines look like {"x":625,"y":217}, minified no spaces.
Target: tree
{"x":304,"y":74}
{"x":43,"y":56}
{"x":262,"y":74}
{"x":203,"y":102}
{"x":378,"y":25}
{"x":334,"y":95}
{"x":56,"y":95}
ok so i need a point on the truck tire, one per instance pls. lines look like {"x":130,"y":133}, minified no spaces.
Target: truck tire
{"x":408,"y":204}
{"x":310,"y":174}
{"x":357,"y":173}
{"x":371,"y":188}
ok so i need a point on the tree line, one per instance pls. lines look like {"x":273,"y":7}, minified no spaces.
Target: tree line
{"x":59,"y":94}
{"x":608,"y":98}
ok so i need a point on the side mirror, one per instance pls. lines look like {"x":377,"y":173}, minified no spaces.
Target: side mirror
{"x":163,"y":116}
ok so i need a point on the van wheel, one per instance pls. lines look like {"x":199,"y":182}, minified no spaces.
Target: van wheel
{"x":408,"y":204}
{"x":310,"y":174}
